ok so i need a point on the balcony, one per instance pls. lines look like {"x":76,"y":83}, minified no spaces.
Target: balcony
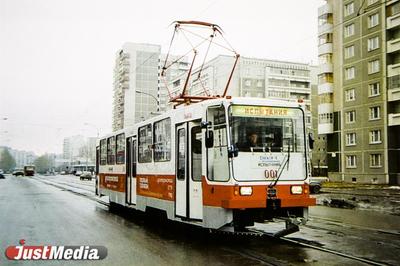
{"x":325,"y":68}
{"x":325,"y":28}
{"x":394,"y":119}
{"x":326,"y":48}
{"x":325,"y":108}
{"x":393,"y":45}
{"x":393,"y":21}
{"x":393,"y":70}
{"x":325,"y":88}
{"x":326,"y":128}
{"x":325,"y":9}
{"x":394,"y":95}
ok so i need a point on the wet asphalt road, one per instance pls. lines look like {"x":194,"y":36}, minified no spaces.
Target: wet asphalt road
{"x":44,"y":214}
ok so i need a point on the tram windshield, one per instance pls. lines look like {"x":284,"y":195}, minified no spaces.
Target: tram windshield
{"x":267,"y":129}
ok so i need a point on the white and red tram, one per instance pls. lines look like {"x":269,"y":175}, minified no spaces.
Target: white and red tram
{"x":196,"y":163}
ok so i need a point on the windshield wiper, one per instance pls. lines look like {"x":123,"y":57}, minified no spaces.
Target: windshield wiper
{"x":280,"y":169}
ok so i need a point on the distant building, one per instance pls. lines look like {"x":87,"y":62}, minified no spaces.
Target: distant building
{"x":253,"y":77}
{"x":77,"y":149}
{"x":139,"y":92}
{"x":22,"y":158}
{"x":359,"y":89}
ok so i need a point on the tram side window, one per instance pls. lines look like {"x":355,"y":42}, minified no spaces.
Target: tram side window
{"x":103,"y":152}
{"x":196,"y":153}
{"x":218,"y":168}
{"x":111,"y":150}
{"x":181,"y":171}
{"x":162,"y":140}
{"x":121,"y":148}
{"x":145,"y":144}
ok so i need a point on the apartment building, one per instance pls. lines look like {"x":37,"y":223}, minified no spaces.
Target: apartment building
{"x":253,"y":77}
{"x":139,"y":90}
{"x":359,"y":89}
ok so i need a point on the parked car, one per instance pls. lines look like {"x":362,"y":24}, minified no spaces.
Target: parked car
{"x":18,"y":172}
{"x":2,"y":176}
{"x":86,"y":175}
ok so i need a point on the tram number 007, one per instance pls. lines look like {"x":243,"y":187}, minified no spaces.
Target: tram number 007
{"x":271,"y":173}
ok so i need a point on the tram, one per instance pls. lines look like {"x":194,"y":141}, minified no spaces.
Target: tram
{"x":199,"y":164}
{"x":214,"y":161}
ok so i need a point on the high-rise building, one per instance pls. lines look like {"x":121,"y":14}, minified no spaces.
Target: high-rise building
{"x":252,"y":77}
{"x":139,"y":91}
{"x":359,"y":89}
{"x":136,"y":82}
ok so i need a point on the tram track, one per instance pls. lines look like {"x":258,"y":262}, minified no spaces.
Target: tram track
{"x":308,"y":244}
{"x":262,"y":258}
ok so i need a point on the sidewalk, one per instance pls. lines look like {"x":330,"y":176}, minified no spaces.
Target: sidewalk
{"x":379,"y":198}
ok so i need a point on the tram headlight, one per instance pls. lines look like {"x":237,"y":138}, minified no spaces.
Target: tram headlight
{"x":246,"y":191}
{"x":296,"y":189}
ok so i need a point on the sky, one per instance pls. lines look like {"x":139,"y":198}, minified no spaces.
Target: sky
{"x":57,"y":56}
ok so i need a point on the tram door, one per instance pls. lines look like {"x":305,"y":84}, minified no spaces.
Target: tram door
{"x":189,"y":199}
{"x":131,"y":171}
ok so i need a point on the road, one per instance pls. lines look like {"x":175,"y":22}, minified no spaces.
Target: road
{"x":62,"y":210}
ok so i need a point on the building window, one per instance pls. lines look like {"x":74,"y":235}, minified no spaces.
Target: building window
{"x":373,"y":20}
{"x":350,"y":73}
{"x":373,"y":67}
{"x":349,"y":51}
{"x":120,"y":149}
{"x":393,"y":9}
{"x":374,"y":113}
{"x":375,"y":137}
{"x":145,"y":144}
{"x":374,"y":89}
{"x":325,"y":59}
{"x":350,"y":139}
{"x":325,"y":38}
{"x":349,"y":30}
{"x":373,"y":43}
{"x":350,"y":95}
{"x":351,"y":117}
{"x":247,"y":83}
{"x":351,"y":161}
{"x":375,"y":160}
{"x":394,"y":82}
{"x":162,"y":140}
{"x":349,"y":9}
{"x":326,"y":118}
{"x":325,"y":78}
{"x":325,"y":18}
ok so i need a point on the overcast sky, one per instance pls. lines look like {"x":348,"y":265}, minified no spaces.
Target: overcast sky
{"x":57,"y":56}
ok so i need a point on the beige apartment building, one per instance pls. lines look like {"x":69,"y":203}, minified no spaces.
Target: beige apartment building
{"x":359,"y":89}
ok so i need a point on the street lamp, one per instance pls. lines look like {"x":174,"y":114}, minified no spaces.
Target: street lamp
{"x":152,"y":96}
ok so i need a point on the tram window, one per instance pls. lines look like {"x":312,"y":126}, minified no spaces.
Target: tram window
{"x":111,"y":150}
{"x":162,"y":140}
{"x":121,"y":148}
{"x":145,"y":144}
{"x":218,"y":168}
{"x":196,"y":138}
{"x":181,"y":154}
{"x":103,"y":152}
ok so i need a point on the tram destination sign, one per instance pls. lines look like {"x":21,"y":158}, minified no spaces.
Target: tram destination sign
{"x":261,"y":111}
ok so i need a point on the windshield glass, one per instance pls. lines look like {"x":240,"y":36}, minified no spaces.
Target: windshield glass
{"x":267,"y":129}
